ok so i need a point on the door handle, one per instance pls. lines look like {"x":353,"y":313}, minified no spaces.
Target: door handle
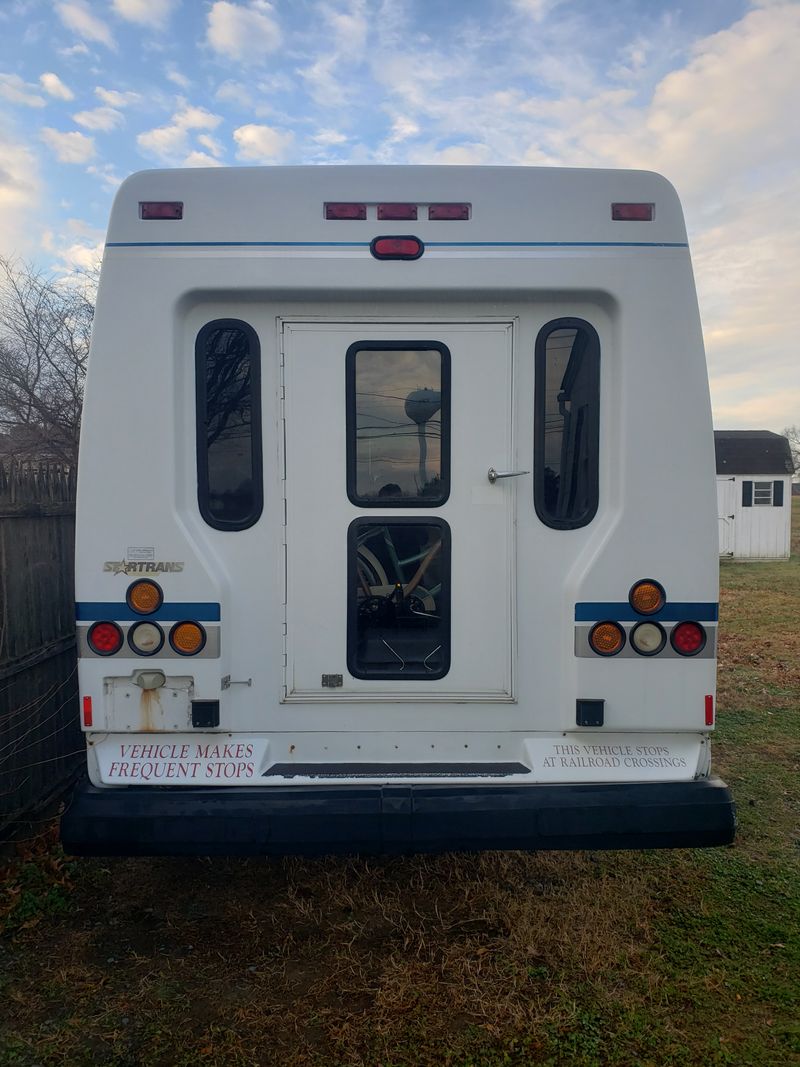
{"x":493,"y":475}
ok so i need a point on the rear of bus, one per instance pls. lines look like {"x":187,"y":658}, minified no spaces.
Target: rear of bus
{"x":396,"y":517}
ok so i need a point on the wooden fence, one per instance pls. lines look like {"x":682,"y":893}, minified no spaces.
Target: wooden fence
{"x":41,"y":747}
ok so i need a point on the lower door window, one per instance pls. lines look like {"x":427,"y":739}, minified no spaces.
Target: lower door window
{"x":398,"y":598}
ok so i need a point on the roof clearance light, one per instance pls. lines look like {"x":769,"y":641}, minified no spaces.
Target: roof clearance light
{"x":633,"y":212}
{"x":688,"y":638}
{"x":187,"y":638}
{"x":647,"y":597}
{"x":144,"y":597}
{"x":105,"y":638}
{"x":449,"y":212}
{"x":345,"y":211}
{"x":397,"y":211}
{"x":397,"y":248}
{"x":607,"y":638}
{"x":161,"y":209}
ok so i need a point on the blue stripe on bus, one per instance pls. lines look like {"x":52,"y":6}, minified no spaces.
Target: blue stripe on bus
{"x":366,"y":244}
{"x":90,"y":611}
{"x":671,"y":612}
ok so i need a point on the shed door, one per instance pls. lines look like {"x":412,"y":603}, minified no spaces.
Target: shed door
{"x":399,"y":550}
{"x":726,"y":509}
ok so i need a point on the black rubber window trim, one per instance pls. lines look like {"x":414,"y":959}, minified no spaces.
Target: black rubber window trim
{"x":352,"y":427}
{"x":593,"y":429}
{"x":257,"y":503}
{"x":352,"y":600}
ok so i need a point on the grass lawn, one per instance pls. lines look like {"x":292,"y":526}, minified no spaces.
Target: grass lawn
{"x":686,"y":957}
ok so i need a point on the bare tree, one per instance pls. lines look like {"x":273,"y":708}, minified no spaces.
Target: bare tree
{"x":45,"y":324}
{"x":792,"y":435}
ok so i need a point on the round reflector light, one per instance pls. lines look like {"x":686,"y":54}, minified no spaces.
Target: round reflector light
{"x":607,"y":638}
{"x":647,"y":597}
{"x":105,"y":638}
{"x":648,"y":638}
{"x":144,"y":597}
{"x":187,"y":638}
{"x":146,"y":638}
{"x":688,"y":638}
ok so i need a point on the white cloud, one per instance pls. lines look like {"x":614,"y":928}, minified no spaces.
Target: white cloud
{"x":537,"y":9}
{"x":20,"y":195}
{"x":170,"y":143}
{"x":72,"y":147}
{"x":329,"y":78}
{"x":99,"y":118}
{"x":77,"y":16}
{"x":178,"y":79}
{"x":246,"y":33}
{"x":329,"y":137}
{"x":261,"y":144}
{"x":107,"y":175}
{"x":211,"y":143}
{"x":53,"y":85}
{"x":114,"y":98}
{"x":231,"y":92}
{"x":200,"y":159}
{"x":151,"y":13}
{"x":15,"y":90}
{"x":77,"y":251}
{"x":79,"y":49}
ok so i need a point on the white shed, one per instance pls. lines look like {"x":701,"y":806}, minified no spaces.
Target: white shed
{"x":754,"y":494}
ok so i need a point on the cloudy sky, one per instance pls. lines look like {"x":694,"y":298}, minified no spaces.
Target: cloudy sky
{"x":707,"y":92}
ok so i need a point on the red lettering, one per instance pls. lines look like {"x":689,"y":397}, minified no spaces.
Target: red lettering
{"x":248,"y":751}
{"x":113,"y":769}
{"x":124,"y":750}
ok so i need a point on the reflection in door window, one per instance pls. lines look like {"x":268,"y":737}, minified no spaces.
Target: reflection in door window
{"x":398,"y":599}
{"x":228,"y":425}
{"x":398,"y":423}
{"x":567,"y":406}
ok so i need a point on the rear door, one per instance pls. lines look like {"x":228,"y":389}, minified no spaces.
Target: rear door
{"x":399,"y":546}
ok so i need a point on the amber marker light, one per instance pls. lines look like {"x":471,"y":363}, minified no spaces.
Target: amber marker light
{"x":144,"y":597}
{"x":607,"y":638}
{"x":187,"y":638}
{"x":647,"y":597}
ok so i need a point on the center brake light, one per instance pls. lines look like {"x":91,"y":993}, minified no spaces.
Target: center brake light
{"x":397,"y":248}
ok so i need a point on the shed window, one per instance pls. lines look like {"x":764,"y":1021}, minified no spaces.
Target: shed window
{"x":762,"y":494}
{"x":398,"y":424}
{"x":229,"y":484}
{"x":567,"y":423}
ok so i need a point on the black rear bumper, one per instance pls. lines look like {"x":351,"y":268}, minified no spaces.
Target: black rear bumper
{"x":374,"y":819}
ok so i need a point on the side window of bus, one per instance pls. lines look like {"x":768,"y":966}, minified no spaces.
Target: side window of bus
{"x":229,"y":482}
{"x":398,"y":424}
{"x":567,"y":423}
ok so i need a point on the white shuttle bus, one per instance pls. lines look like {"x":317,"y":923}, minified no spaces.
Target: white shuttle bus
{"x":396,"y":517}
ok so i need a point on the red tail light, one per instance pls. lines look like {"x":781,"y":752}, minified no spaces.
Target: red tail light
{"x":688,"y":638}
{"x":105,"y":638}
